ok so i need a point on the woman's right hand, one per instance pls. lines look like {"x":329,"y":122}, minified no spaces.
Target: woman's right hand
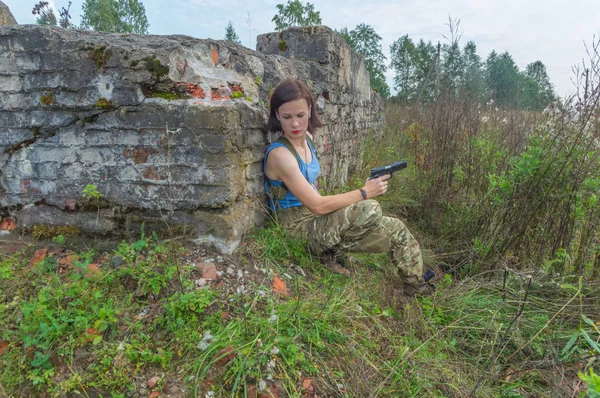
{"x":377,"y":186}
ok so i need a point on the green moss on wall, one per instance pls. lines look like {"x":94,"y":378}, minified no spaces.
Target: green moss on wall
{"x":103,"y":103}
{"x":100,"y":56}
{"x":47,"y":99}
{"x":42,"y":231}
{"x":167,"y":95}
{"x":282,"y":45}
{"x":157,"y":69}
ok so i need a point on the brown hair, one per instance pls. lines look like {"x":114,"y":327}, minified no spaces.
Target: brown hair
{"x":290,"y":90}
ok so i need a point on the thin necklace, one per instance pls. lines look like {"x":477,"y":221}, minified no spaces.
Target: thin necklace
{"x":306,"y":157}
{"x":306,"y":151}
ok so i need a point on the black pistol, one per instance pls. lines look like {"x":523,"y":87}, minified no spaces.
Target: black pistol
{"x":389,"y":169}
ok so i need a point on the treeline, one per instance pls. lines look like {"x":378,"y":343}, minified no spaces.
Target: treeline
{"x":117,"y":16}
{"x":423,"y":72}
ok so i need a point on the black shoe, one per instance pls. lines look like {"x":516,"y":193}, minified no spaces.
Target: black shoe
{"x":334,"y":263}
{"x":428,"y":275}
{"x":423,"y":289}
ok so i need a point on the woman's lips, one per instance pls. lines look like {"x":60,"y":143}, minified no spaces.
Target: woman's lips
{"x":296,"y":132}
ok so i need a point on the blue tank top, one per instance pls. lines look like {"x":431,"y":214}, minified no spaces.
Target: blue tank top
{"x":309,"y":171}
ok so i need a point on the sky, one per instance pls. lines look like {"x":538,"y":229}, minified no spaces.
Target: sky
{"x":555,"y":32}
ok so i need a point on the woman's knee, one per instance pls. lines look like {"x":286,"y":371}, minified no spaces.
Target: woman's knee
{"x":365,"y":213}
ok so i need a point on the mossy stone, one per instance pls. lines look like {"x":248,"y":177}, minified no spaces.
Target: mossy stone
{"x":282,"y":45}
{"x":157,"y":69}
{"x":103,"y":103}
{"x":47,"y":99}
{"x":101,"y":56}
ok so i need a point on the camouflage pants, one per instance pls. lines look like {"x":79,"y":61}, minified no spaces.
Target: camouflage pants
{"x":360,"y":227}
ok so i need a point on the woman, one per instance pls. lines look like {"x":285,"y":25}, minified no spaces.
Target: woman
{"x":333,"y":224}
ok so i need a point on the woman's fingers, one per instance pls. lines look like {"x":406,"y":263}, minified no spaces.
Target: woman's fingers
{"x":377,"y":186}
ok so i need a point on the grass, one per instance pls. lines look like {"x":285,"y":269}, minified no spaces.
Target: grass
{"x":71,"y":329}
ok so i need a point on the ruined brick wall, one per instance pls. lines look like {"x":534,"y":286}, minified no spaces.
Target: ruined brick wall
{"x":169,"y":128}
{"x":6,"y":17}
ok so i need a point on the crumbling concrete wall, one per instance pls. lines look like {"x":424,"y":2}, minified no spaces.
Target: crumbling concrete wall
{"x":169,"y":128}
{"x":6,"y":17}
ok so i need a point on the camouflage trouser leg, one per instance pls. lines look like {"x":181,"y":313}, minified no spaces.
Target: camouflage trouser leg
{"x":361,"y":227}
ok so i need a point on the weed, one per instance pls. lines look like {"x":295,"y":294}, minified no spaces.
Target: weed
{"x":282,"y":45}
{"x":41,"y":231}
{"x":156,"y":68}
{"x":593,"y":383}
{"x":168,"y":95}
{"x":100,"y":56}
{"x":103,"y":103}
{"x":47,"y":99}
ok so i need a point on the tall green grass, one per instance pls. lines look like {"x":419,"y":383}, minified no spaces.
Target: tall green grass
{"x":498,"y":187}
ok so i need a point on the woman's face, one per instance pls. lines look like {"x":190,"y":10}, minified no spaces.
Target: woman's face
{"x":293,"y":117}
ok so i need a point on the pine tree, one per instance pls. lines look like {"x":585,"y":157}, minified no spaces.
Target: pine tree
{"x":502,"y":79}
{"x":231,"y":35}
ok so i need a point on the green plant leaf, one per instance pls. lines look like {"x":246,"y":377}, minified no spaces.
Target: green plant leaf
{"x":590,"y":341}
{"x":570,"y":344}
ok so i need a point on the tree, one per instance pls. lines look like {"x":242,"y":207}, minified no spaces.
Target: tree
{"x":451,"y":65}
{"x":452,"y":68}
{"x":231,"y":35}
{"x":294,"y":13}
{"x":474,"y":81}
{"x":402,"y":54}
{"x":536,"y":89}
{"x":415,"y":69}
{"x":502,"y":79}
{"x":365,"y":41}
{"x":118,"y":16}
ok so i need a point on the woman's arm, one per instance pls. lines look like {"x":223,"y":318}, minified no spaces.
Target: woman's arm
{"x":281,"y":165}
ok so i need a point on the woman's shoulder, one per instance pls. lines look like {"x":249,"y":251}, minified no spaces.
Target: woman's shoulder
{"x":279,"y":151}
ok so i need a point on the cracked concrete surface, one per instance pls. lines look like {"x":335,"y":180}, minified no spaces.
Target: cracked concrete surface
{"x":149,"y":121}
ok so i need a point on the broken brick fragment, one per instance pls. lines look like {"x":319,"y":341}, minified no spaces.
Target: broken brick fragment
{"x":140,"y":155}
{"x":71,"y":205}
{"x":218,"y":94}
{"x":39,"y":256}
{"x":207,"y":270}
{"x":225,"y":356}
{"x":151,"y":173}
{"x":93,"y":269}
{"x":8,"y":223}
{"x":214,"y":55}
{"x":236,"y":88}
{"x":194,"y":90}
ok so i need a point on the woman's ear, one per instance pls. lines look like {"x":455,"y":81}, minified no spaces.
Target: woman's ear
{"x":277,"y":115}
{"x":309,"y":111}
